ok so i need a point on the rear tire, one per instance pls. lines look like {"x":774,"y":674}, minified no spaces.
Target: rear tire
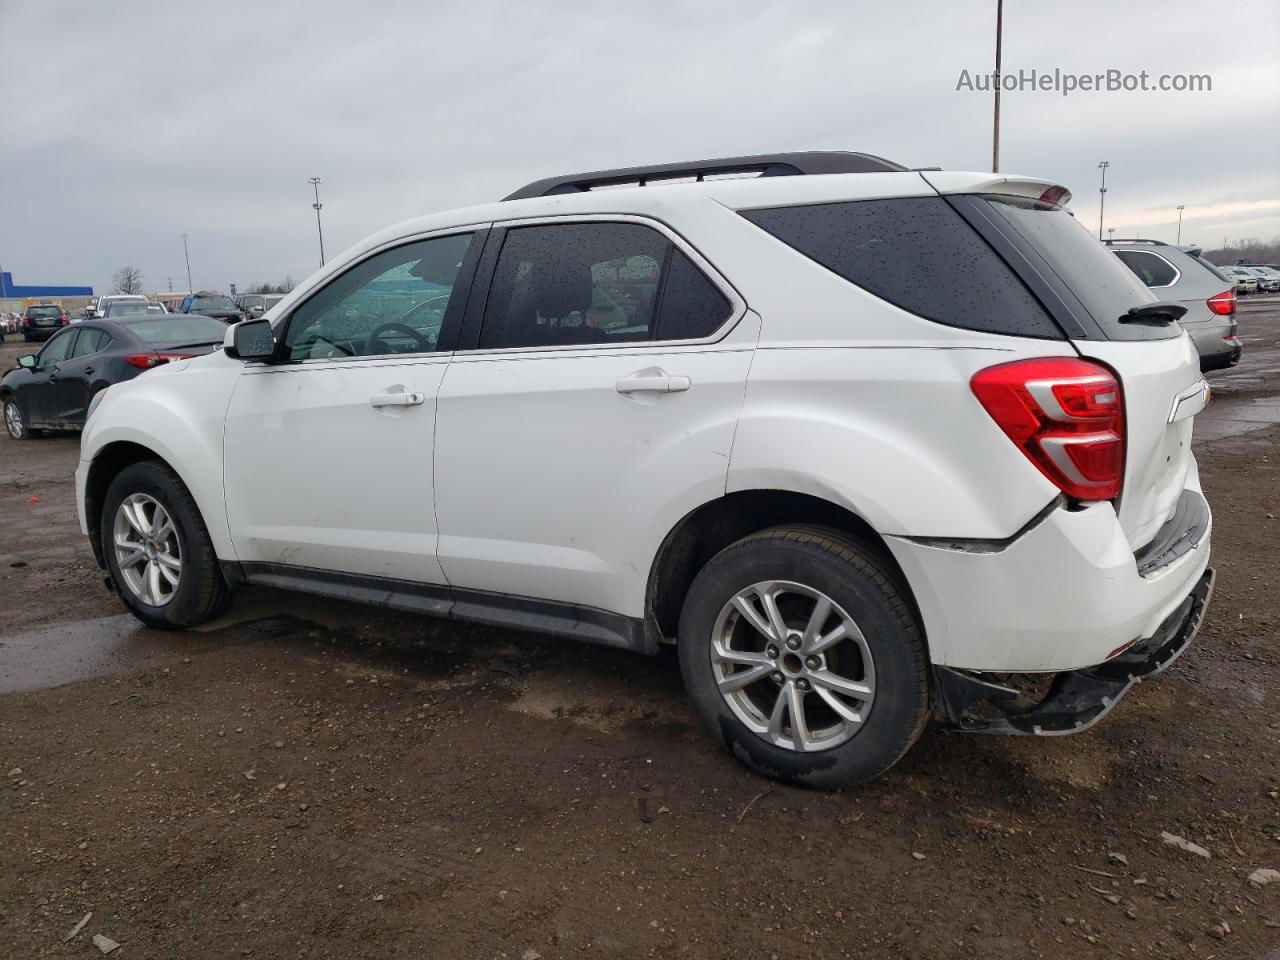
{"x":863,"y":697}
{"x":150,"y":520}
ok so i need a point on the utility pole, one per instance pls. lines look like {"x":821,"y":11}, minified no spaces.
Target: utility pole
{"x":1178,"y":242}
{"x":995,"y":128}
{"x":1111,"y":233}
{"x":315,"y":183}
{"x":1102,"y":194}
{"x":187,"y":255}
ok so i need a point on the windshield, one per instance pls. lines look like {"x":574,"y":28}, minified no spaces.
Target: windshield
{"x":131,"y":308}
{"x":1105,"y":287}
{"x":179,"y":328}
{"x":273,"y":299}
{"x":44,"y":312}
{"x":199,"y":303}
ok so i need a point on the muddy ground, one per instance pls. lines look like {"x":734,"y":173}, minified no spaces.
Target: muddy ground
{"x":310,"y":779}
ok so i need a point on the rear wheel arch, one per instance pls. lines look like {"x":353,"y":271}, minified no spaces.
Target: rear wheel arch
{"x":713,"y":526}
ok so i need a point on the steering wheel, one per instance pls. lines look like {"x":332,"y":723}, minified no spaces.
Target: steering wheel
{"x":394,"y":326}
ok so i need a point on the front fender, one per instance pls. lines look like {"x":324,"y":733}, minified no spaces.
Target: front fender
{"x":179,"y":415}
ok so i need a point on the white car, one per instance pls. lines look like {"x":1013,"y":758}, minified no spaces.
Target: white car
{"x":870,"y":445}
{"x":100,"y":308}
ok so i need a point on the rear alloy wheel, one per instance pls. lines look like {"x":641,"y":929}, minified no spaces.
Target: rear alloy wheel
{"x":801,"y":653}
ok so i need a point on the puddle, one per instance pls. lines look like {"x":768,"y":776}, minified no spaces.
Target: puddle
{"x":1234,"y":419}
{"x":68,"y":652}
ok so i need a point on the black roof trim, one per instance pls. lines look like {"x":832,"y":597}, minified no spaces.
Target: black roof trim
{"x":769,"y":165}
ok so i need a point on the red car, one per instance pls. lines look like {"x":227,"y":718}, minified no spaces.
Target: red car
{"x":42,"y":321}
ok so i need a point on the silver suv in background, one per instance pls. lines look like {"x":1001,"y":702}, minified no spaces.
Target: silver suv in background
{"x":1183,"y":276}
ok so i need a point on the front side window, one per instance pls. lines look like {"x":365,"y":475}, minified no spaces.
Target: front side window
{"x":392,"y":303}
{"x":596,"y":283}
{"x":57,"y":349}
{"x":1153,"y":270}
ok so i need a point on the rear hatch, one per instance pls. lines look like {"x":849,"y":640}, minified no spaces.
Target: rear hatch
{"x":1088,"y":290}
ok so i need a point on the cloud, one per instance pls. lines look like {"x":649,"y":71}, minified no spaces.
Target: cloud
{"x":130,"y":123}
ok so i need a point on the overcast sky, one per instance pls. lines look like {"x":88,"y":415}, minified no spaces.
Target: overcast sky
{"x":129,"y":123}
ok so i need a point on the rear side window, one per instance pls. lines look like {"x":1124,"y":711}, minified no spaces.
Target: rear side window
{"x":596,"y":283}
{"x":918,"y":254}
{"x":91,"y":340}
{"x":1151,"y":269}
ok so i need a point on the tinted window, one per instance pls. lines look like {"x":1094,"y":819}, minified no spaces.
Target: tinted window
{"x":392,"y":303}
{"x":174,"y":328}
{"x":1152,"y":270}
{"x":199,"y":303}
{"x":692,"y":306}
{"x":918,"y":254}
{"x":91,"y":340}
{"x":44,"y":312}
{"x":580,"y":283}
{"x":1102,"y":284}
{"x":56,"y":350}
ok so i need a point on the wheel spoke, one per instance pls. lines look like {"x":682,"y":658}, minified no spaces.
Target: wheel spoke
{"x":779,"y":713}
{"x":169,"y":572}
{"x":842,"y":709}
{"x":838,"y":684}
{"x":743,"y":678}
{"x":137,"y":517}
{"x":748,"y":658}
{"x":799,"y":725}
{"x":769,"y":600}
{"x":828,"y":640}
{"x":169,"y":562}
{"x":129,"y":559}
{"x":749,"y":613}
{"x":817,"y":619}
{"x":153,"y":582}
{"x":164,"y":528}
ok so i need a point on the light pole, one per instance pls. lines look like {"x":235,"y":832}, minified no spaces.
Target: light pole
{"x":1178,"y":242}
{"x":1102,"y":194}
{"x":315,"y":183}
{"x":995,"y":126}
{"x":187,"y":256}
{"x":1111,"y":233}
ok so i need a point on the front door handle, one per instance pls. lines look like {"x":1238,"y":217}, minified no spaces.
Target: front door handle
{"x":399,"y":399}
{"x":653,"y":380}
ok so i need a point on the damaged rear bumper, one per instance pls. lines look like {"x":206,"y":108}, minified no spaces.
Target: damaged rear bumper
{"x":1077,"y":699}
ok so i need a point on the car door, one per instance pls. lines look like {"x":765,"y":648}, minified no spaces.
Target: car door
{"x":591,"y":404}
{"x":77,"y":373}
{"x":41,"y":395}
{"x":327,"y":462}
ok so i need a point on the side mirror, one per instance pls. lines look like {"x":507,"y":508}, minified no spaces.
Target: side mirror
{"x":28,"y":361}
{"x":252,"y":340}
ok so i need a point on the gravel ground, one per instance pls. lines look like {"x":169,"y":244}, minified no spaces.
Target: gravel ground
{"x":313,"y":779}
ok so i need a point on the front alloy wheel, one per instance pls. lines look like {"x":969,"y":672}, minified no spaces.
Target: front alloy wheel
{"x":148,"y":554}
{"x":13,"y":421}
{"x":793,"y":666}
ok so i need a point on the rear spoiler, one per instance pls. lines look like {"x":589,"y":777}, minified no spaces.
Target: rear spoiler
{"x":949,"y":182}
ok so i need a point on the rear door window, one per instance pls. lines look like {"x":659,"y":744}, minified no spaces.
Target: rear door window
{"x":1152,"y":269}
{"x":91,"y":340}
{"x":918,"y":254}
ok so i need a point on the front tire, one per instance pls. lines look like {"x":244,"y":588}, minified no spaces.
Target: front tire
{"x":802,"y":655}
{"x":15,"y":420}
{"x":158,"y":551}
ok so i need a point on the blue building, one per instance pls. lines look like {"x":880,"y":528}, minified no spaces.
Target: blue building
{"x":11,"y":291}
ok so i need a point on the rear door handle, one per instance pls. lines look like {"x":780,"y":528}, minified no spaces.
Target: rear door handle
{"x":653,"y":380}
{"x":400,"y":399}
{"x":88,"y":371}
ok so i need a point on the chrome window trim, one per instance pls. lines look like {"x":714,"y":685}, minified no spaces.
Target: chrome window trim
{"x":738,"y":306}
{"x":1177,"y":274}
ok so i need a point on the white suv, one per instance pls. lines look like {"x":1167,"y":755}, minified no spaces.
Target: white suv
{"x":871,"y":445}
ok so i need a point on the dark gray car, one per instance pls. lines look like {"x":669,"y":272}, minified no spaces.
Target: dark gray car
{"x":1182,"y":275}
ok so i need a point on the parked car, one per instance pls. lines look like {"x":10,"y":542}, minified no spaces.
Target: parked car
{"x":256,"y":304}
{"x":1268,"y":277}
{"x":42,"y":320}
{"x":869,"y":447}
{"x":1183,"y":276}
{"x":210,"y":303}
{"x":100,"y":308}
{"x":1245,"y":281}
{"x":54,"y":388}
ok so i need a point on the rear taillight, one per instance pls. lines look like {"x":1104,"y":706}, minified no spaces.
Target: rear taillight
{"x":1224,"y":304}
{"x":1066,"y":415}
{"x":145,"y":361}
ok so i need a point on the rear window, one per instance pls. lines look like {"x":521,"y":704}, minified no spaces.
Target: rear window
{"x":44,"y":312}
{"x":212,"y":303}
{"x":175,"y":328}
{"x":1105,"y":287}
{"x":1211,"y":267}
{"x":918,"y":254}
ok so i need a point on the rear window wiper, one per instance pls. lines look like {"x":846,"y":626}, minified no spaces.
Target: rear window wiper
{"x":1155,"y":314}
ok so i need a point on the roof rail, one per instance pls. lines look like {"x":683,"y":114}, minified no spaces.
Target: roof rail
{"x":766,"y":165}
{"x":1154,"y":243}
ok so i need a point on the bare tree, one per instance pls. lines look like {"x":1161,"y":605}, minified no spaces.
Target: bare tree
{"x":128,"y":280}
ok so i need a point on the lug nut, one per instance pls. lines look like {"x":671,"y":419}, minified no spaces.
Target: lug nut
{"x":793,"y":643}
{"x":802,"y":683}
{"x":777,"y":676}
{"x":813,"y":663}
{"x":771,"y":652}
